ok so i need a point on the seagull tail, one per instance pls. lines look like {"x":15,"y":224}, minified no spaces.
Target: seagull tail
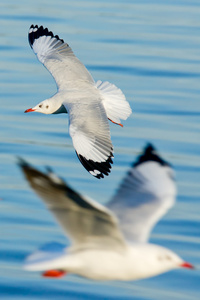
{"x":47,"y":257}
{"x":114,"y":102}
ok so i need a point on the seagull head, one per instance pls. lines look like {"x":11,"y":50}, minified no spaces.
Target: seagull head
{"x":168,"y":260}
{"x":155,"y":259}
{"x":44,"y":107}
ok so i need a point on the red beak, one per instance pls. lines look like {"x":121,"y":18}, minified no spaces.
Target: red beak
{"x":187,"y":265}
{"x":29,"y":110}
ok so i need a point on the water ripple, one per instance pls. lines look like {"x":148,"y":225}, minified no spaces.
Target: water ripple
{"x":143,"y":72}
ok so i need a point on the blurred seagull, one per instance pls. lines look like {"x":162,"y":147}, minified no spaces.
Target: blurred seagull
{"x":108,"y":243}
{"x":89,"y":104}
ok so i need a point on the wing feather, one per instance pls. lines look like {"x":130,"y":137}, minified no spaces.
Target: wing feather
{"x":145,"y":195}
{"x":84,"y":221}
{"x":90,"y":134}
{"x":58,"y":58}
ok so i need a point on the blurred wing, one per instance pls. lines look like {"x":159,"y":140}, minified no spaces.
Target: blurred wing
{"x":85,"y":222}
{"x":145,"y":195}
{"x":58,"y":58}
{"x":90,"y":134}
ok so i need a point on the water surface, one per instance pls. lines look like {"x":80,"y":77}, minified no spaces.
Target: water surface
{"x":149,"y":50}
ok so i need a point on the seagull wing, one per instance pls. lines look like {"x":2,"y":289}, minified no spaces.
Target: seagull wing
{"x":90,"y":134}
{"x":85,"y":222}
{"x":58,"y":58}
{"x":145,"y":195}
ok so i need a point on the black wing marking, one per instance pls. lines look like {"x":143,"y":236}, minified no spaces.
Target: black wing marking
{"x":97,"y":169}
{"x":36,"y":32}
{"x":150,"y":154}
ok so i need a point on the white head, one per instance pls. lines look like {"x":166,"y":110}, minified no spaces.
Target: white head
{"x":154,"y":260}
{"x":166,"y":259}
{"x":44,"y":107}
{"x":48,"y":107}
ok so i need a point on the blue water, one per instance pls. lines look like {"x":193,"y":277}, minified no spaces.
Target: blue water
{"x":150,"y":49}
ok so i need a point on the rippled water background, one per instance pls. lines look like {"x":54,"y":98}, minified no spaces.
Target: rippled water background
{"x":151,"y":50}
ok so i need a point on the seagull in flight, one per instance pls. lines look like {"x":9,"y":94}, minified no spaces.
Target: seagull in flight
{"x":89,"y":104}
{"x":108,"y":242}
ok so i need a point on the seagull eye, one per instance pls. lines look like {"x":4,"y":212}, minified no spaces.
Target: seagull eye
{"x":168,"y":257}
{"x":40,"y":105}
{"x":47,"y":106}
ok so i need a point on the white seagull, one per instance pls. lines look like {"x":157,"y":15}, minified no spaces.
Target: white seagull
{"x":108,"y":243}
{"x":89,"y":104}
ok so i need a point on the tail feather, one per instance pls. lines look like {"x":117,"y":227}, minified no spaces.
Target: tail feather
{"x":45,"y":257}
{"x":114,"y":102}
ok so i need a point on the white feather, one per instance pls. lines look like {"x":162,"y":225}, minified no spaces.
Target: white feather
{"x":144,"y":196}
{"x":114,"y":101}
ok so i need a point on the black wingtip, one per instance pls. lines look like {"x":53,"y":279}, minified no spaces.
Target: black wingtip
{"x":97,"y":169}
{"x":25,"y":166}
{"x":30,"y":173}
{"x":22,"y":163}
{"x":150,"y":154}
{"x":149,"y":148}
{"x":35,"y":32}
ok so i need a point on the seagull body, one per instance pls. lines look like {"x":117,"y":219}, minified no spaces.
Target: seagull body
{"x":133,"y":262}
{"x":108,"y":243}
{"x":89,"y":104}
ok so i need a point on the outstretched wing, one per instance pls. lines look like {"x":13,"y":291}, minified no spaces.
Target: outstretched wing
{"x":85,"y":222}
{"x":145,"y":195}
{"x":58,"y":58}
{"x":90,"y":134}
